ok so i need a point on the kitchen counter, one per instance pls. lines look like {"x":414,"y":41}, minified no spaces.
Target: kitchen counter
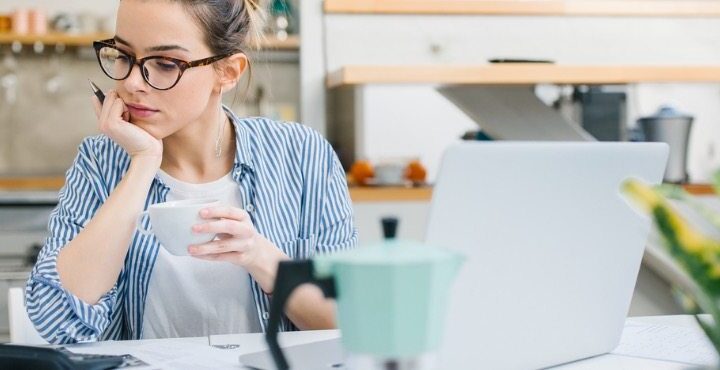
{"x":43,"y":191}
{"x":19,"y":183}
{"x":28,"y":198}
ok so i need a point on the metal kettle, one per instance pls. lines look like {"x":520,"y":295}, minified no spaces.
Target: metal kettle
{"x":672,"y":127}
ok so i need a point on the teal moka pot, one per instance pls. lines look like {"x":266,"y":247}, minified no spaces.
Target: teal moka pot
{"x":391,"y":298}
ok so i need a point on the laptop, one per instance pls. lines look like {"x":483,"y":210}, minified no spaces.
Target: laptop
{"x":553,"y":248}
{"x":553,"y":251}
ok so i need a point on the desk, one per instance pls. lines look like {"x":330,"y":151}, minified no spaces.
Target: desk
{"x":194,"y":353}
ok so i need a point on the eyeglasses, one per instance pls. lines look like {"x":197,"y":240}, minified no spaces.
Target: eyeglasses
{"x":162,"y":73}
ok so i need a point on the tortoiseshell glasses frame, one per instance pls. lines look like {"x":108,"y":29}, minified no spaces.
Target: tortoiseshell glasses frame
{"x":171,"y":68}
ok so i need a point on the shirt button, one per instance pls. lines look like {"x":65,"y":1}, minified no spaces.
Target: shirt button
{"x":250,"y":208}
{"x":266,"y":315}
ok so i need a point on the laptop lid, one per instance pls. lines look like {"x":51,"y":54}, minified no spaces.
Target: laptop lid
{"x":553,"y":250}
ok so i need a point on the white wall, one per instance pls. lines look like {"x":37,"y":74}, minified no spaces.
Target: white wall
{"x":408,"y":122}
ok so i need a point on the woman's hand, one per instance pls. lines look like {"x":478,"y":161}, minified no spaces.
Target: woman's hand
{"x":239,"y":243}
{"x":113,"y":121}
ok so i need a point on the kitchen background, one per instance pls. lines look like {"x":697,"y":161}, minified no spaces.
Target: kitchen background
{"x":45,"y":107}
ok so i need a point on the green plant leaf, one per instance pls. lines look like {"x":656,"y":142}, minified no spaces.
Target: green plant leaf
{"x":698,"y":265}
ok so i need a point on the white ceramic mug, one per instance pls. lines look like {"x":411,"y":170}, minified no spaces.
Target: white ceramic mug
{"x":390,"y":173}
{"x":172,"y":222}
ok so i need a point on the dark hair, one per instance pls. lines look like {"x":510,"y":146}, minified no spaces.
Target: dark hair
{"x":230,"y":26}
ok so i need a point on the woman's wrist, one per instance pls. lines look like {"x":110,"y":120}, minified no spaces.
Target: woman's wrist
{"x":145,"y":164}
{"x":264,"y":266}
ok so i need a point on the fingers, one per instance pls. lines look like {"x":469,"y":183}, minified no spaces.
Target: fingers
{"x":218,"y":247}
{"x":117,"y":106}
{"x":105,"y":110}
{"x":225,"y":226}
{"x":113,"y":107}
{"x":227,"y":257}
{"x":97,"y":106}
{"x":232,"y":213}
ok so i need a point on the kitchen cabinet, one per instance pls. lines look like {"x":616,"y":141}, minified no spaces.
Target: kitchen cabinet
{"x":520,"y":74}
{"x":291,"y":43}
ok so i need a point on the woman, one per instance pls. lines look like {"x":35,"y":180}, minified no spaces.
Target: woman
{"x":165,"y":136}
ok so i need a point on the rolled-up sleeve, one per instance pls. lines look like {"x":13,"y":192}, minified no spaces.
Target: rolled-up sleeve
{"x":59,"y":316}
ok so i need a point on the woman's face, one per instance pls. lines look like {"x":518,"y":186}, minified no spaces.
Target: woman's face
{"x":160,"y":27}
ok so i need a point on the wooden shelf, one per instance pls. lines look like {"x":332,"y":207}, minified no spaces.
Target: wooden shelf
{"x":53,"y":38}
{"x":520,"y":74}
{"x":390,"y":194}
{"x":424,"y":194}
{"x":357,"y":193}
{"x":31,"y":183}
{"x":269,"y":43}
{"x":638,"y":8}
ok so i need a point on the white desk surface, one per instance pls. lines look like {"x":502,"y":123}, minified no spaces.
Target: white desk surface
{"x":195,"y":353}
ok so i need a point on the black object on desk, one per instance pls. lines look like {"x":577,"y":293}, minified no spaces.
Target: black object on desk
{"x":34,"y":358}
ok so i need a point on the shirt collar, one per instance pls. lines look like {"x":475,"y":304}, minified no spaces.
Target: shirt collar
{"x":243,"y":156}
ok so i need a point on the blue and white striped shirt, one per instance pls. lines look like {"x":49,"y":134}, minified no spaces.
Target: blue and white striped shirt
{"x":293,"y":187}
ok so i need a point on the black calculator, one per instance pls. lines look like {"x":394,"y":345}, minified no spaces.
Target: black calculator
{"x":26,"y":358}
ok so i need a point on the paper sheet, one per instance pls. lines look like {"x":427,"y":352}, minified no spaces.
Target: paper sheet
{"x":166,"y":354}
{"x":668,"y":343}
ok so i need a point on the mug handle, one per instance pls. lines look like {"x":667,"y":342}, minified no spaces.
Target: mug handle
{"x":290,"y":275}
{"x":139,"y":224}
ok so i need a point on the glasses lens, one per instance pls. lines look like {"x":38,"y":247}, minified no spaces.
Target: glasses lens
{"x":161,"y":73}
{"x":115,"y":63}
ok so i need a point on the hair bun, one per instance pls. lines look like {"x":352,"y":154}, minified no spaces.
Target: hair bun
{"x":253,"y":4}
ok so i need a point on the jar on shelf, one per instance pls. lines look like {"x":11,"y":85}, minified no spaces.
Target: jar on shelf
{"x":37,"y":22}
{"x":20,"y":21}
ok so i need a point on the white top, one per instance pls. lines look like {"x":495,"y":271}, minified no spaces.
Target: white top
{"x":190,"y":297}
